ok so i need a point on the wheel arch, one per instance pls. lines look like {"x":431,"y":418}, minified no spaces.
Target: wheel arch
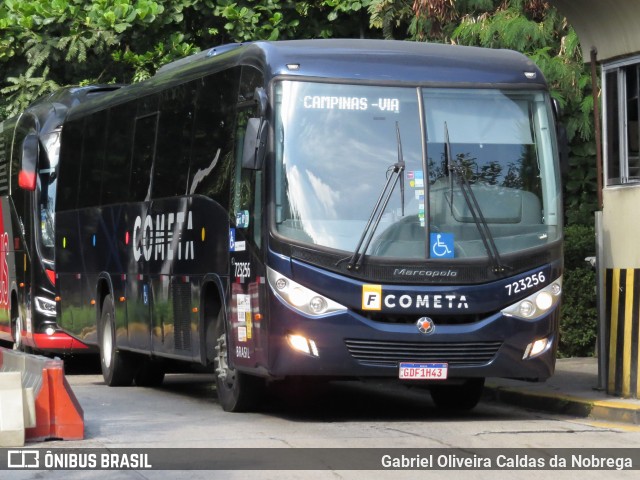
{"x":104,"y":287}
{"x":212,"y":302}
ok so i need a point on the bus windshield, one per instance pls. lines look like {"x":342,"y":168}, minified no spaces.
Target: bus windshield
{"x":46,"y":194}
{"x":472,"y":158}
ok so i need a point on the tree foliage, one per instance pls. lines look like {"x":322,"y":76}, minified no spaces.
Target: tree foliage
{"x":536,"y":29}
{"x":47,"y":43}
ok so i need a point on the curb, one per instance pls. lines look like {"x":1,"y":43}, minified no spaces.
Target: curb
{"x":565,"y":404}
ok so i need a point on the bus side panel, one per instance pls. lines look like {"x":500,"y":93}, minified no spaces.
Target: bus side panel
{"x":8,"y":282}
{"x":69,"y":283}
{"x":180,"y":241}
{"x":248,"y":341}
{"x":156,"y":255}
{"x":88,"y":243}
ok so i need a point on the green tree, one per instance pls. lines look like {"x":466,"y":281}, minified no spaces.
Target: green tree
{"x":536,"y":29}
{"x":47,"y":43}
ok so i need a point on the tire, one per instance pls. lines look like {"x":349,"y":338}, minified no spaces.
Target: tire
{"x":17,"y":334}
{"x":237,"y":391}
{"x":458,"y":397}
{"x":118,"y":368}
{"x":150,"y":373}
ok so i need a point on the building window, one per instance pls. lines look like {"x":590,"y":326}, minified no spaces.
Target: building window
{"x":621,"y":85}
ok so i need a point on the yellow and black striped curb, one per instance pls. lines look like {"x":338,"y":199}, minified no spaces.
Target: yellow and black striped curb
{"x":615,"y":411}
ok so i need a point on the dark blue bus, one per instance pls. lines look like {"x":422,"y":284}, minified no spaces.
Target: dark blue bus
{"x":318,"y":209}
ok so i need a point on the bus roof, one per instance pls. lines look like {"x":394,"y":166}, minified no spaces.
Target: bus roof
{"x":374,"y":60}
{"x":352,"y":60}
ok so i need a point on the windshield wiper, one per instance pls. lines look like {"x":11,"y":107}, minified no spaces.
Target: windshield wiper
{"x":456,"y":168}
{"x":397,"y":173}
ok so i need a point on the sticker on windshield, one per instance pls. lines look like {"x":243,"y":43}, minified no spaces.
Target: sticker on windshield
{"x":419,"y":179}
{"x":232,"y":239}
{"x":442,"y":245}
{"x":329,"y":102}
{"x":242,"y":219}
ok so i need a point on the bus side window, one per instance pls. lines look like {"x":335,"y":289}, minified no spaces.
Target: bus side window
{"x":171,"y":164}
{"x":93,"y":151}
{"x":115,"y":179}
{"x":211,"y":167}
{"x":71,"y":152}
{"x":144,"y":146}
{"x":19,"y":196}
{"x":247,"y":185}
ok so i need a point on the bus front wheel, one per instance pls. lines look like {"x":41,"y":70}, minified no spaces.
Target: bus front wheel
{"x":237,"y":391}
{"x":117,"y":367}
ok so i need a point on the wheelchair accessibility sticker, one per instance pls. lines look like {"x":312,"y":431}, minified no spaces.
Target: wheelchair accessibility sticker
{"x":441,"y":245}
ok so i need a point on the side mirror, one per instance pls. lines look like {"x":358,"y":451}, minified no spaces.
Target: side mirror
{"x":255,"y":143}
{"x":30,"y":152}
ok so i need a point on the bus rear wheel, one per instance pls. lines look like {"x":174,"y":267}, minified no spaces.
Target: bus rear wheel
{"x":117,"y":367}
{"x":237,"y":391}
{"x":458,"y":397}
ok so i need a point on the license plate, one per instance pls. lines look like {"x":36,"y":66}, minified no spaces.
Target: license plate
{"x":423,"y":371}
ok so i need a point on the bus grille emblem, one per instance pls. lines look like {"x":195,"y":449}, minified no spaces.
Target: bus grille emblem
{"x":426,"y":325}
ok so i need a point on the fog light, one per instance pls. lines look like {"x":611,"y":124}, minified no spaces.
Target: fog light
{"x":298,"y":342}
{"x":536,"y":348}
{"x":303,"y":344}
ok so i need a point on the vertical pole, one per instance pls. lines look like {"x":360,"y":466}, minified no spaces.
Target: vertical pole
{"x":600,"y":269}
{"x":596,"y":122}
{"x":601,"y":305}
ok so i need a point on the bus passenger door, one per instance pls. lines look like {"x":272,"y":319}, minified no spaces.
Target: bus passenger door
{"x":248,"y":341}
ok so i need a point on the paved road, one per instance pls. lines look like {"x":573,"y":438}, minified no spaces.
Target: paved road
{"x":184,"y":413}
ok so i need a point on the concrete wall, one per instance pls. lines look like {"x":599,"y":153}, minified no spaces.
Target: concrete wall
{"x":621,"y":225}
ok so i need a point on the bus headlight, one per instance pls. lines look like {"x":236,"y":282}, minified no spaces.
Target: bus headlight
{"x":301,"y":298}
{"x":45,"y":306}
{"x":536,"y":304}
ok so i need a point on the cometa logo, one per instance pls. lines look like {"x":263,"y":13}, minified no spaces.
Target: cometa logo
{"x":164,"y":242}
{"x":374,"y":299}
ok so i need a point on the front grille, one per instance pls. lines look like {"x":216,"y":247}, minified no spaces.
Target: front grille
{"x":389,"y":354}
